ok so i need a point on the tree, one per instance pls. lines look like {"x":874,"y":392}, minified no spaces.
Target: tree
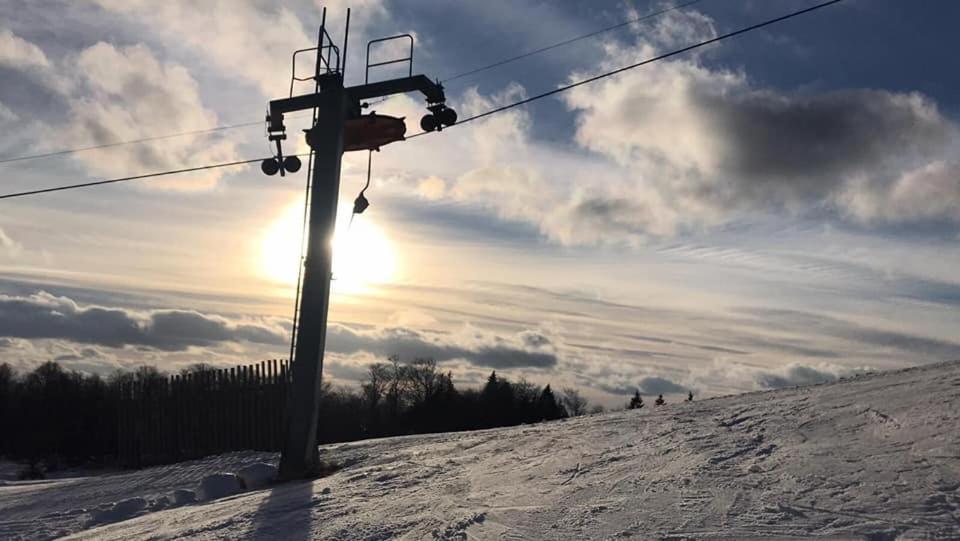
{"x":7,"y":401}
{"x":423,"y":379}
{"x":548,"y":406}
{"x":575,"y":404}
{"x":636,"y":402}
{"x":526,"y":396}
{"x":397,"y":387}
{"x":660,"y":401}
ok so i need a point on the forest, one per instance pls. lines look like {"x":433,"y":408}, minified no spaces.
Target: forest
{"x":61,"y":417}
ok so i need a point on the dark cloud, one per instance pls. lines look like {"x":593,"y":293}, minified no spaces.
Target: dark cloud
{"x":658,"y":385}
{"x":492,"y":352}
{"x":46,"y":316}
{"x":649,"y":385}
{"x":534,"y":339}
{"x":85,"y":353}
{"x":798,"y":147}
{"x":872,"y":155}
{"x":919,"y":347}
{"x":345,"y":370}
{"x":795,"y":375}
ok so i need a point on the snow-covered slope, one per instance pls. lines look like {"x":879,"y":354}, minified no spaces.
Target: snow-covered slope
{"x":876,"y":457}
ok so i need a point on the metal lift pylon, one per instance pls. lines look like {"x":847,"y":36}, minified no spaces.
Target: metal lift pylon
{"x":339,"y":112}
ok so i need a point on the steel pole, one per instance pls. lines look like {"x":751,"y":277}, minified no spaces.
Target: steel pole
{"x":299,"y":456}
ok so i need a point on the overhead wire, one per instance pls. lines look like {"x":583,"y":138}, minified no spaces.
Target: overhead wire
{"x":496,"y":110}
{"x":569,"y":41}
{"x":450,"y":78}
{"x":130,"y":142}
{"x":657,"y":58}
{"x":127,"y":179}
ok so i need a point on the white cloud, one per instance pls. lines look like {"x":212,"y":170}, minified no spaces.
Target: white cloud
{"x":8,"y":246}
{"x":7,"y":116}
{"x":45,"y":316}
{"x":680,"y":146}
{"x":474,"y":346}
{"x":252,"y":40}
{"x":703,"y":145}
{"x":19,"y":53}
{"x":127,"y":93}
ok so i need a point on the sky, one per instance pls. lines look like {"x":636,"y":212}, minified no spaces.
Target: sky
{"x":776,"y":209}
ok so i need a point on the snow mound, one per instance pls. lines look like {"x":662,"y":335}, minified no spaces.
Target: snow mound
{"x":183,"y":497}
{"x":219,"y":485}
{"x":118,"y":511}
{"x":257,"y":476}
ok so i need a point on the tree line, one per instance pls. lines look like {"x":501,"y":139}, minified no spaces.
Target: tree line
{"x":413,"y":398}
{"x":63,"y":417}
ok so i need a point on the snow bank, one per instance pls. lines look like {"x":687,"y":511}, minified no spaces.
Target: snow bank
{"x":257,"y":476}
{"x":183,"y":497}
{"x":219,"y":485}
{"x":121,"y":510}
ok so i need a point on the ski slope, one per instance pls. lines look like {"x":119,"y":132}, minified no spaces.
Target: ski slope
{"x":876,"y":457}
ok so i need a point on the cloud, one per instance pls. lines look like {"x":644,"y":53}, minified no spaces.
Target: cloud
{"x":432,"y":188}
{"x":710,"y":144}
{"x":45,"y":316}
{"x":658,"y":385}
{"x":16,"y":52}
{"x":681,"y":145}
{"x":104,"y":94}
{"x":250,"y":40}
{"x":919,"y":347}
{"x":476,"y":348}
{"x":127,"y":93}
{"x":744,"y":377}
{"x":8,"y":246}
{"x":796,"y":374}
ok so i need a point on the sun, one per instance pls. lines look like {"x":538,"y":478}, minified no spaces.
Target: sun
{"x":363,"y":255}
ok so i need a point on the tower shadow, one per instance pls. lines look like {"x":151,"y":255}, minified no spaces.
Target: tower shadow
{"x":285,"y":513}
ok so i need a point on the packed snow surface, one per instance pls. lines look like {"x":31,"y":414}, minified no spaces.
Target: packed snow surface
{"x":876,"y":457}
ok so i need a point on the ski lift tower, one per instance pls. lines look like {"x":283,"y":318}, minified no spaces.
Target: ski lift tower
{"x":339,"y":126}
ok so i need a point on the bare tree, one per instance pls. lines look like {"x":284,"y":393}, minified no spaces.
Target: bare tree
{"x":378,"y":381}
{"x":423,"y":379}
{"x":575,"y":404}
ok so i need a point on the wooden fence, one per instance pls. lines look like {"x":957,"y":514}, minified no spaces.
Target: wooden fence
{"x":198,"y":414}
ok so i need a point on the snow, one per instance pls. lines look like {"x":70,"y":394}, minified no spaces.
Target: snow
{"x":259,"y":475}
{"x":876,"y":457}
{"x":219,"y":485}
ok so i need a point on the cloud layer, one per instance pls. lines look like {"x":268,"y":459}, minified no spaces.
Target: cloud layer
{"x":680,"y":145}
{"x":43,"y":315}
{"x":105,"y":94}
{"x":526,"y":350}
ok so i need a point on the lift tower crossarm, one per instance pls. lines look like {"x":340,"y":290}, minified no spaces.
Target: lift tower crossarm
{"x":417,"y":83}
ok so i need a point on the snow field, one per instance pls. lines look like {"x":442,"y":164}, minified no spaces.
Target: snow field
{"x":876,"y":457}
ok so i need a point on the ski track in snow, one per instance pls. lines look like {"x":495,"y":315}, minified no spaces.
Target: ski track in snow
{"x":875,"y":457}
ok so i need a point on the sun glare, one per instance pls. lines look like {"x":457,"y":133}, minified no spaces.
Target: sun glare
{"x":363,"y":255}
